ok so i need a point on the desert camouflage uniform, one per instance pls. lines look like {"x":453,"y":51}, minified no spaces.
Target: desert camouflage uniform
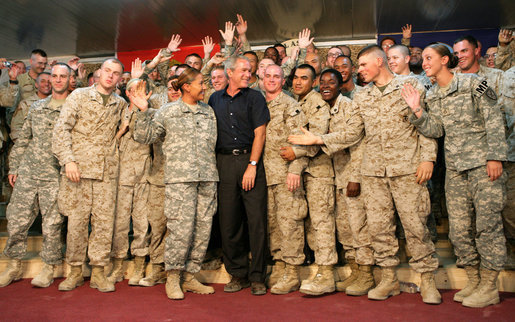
{"x":351,"y":219}
{"x":319,"y":184}
{"x":468,"y":113}
{"x":508,"y":101}
{"x":20,"y":114}
{"x":133,"y":193}
{"x":286,"y":209}
{"x":85,"y":134}
{"x":26,"y":86}
{"x":392,"y":152}
{"x":37,"y":183}
{"x":351,"y":94}
{"x":190,"y":134}
{"x":8,"y":94}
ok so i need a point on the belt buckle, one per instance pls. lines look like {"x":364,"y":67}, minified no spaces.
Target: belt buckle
{"x":236,"y":152}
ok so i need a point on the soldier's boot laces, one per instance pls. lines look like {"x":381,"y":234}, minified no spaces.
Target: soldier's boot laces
{"x":472,"y":283}
{"x":389,"y":285}
{"x":116,"y":274}
{"x":73,"y":280}
{"x":99,"y":281}
{"x":430,"y":294}
{"x":322,"y":283}
{"x":277,"y":272}
{"x":12,"y":273}
{"x":157,"y":276}
{"x":173,"y":285}
{"x":364,"y":283}
{"x":289,"y":282}
{"x":139,"y":270}
{"x":341,"y":286}
{"x":191,"y":284}
{"x":486,"y":293}
{"x":45,"y":276}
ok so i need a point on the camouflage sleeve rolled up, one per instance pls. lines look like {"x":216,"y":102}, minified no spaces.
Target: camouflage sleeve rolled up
{"x":505,"y":58}
{"x":8,"y":94}
{"x":149,"y":127}
{"x":406,"y":41}
{"x":62,"y":137}
{"x":24,"y":137}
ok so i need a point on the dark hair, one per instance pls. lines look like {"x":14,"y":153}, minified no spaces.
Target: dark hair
{"x":444,"y":50}
{"x":469,"y":38}
{"x":218,"y":67}
{"x":279,"y":45}
{"x":193,"y":55}
{"x":387,"y":38}
{"x":183,"y":66}
{"x":39,"y":52}
{"x":186,"y":77}
{"x":336,"y":73}
{"x":171,"y":78}
{"x":39,"y":76}
{"x":19,"y":61}
{"x":345,"y":56}
{"x":310,"y":68}
{"x":250,"y":52}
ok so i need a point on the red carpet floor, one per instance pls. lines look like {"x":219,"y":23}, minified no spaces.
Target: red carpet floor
{"x":21,"y":302}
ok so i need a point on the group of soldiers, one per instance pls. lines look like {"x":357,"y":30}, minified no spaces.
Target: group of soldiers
{"x":340,"y":160}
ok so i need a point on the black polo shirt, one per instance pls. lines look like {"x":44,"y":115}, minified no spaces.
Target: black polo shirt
{"x":238,"y":116}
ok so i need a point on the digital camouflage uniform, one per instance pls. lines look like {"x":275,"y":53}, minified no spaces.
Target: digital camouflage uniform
{"x":351,"y":219}
{"x":85,"y":134}
{"x":392,"y":152}
{"x":190,"y":134}
{"x":37,"y":184}
{"x":286,"y":210}
{"x":468,"y":113}
{"x":133,"y":194}
{"x":508,"y":101}
{"x":319,"y":184}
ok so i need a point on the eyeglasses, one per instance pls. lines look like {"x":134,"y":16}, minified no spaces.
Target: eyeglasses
{"x":490,"y":55}
{"x":387,"y":45}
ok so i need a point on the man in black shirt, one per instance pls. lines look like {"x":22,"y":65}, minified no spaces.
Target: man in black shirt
{"x":242,"y":116}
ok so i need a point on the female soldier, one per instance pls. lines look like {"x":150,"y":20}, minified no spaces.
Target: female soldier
{"x":464,"y":108}
{"x":189,"y":130}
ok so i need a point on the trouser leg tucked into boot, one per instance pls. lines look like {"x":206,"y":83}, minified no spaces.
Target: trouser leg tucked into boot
{"x":116,"y":274}
{"x":139,"y":270}
{"x":191,"y":284}
{"x":45,"y":276}
{"x":173,"y":285}
{"x":12,"y":273}
{"x":364,"y":283}
{"x":472,"y":283}
{"x":430,"y":294}
{"x":73,"y":279}
{"x":486,"y":293}
{"x":289,"y":282}
{"x":389,"y":285}
{"x":99,"y":281}
{"x":341,"y":286}
{"x":322,"y":283}
{"x":277,"y":272}
{"x":157,"y":276}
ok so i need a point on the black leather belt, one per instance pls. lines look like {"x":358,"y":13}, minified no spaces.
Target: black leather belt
{"x":234,"y":151}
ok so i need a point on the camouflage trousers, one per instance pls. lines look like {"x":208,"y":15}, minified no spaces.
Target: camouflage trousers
{"x":132,"y":202}
{"x":29,"y":194}
{"x":477,"y":236}
{"x":320,"y":225}
{"x":382,"y":195}
{"x":508,"y":213}
{"x":352,"y":228}
{"x":286,"y":213}
{"x":189,"y":210}
{"x":157,"y":221}
{"x":82,"y":201}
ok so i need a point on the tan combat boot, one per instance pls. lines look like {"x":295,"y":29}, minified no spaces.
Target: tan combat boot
{"x":322,"y":283}
{"x":12,"y":273}
{"x":341,"y":286}
{"x":116,"y":274}
{"x":191,"y":284}
{"x":157,"y":276}
{"x":430,"y":294}
{"x":277,"y":272}
{"x":486,"y":293}
{"x":99,"y":281}
{"x":364,"y":283}
{"x":389,"y":285}
{"x":139,"y":270}
{"x":73,"y":279}
{"x":45,"y":276}
{"x":289,"y":282}
{"x":472,"y":283}
{"x":173,"y":285}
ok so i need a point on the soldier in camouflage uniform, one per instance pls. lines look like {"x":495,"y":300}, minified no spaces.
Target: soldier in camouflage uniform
{"x":34,"y":174}
{"x":189,"y":130}
{"x":26,"y":82}
{"x":85,"y":144}
{"x":505,"y":58}
{"x":396,"y":163}
{"x":465,"y":108}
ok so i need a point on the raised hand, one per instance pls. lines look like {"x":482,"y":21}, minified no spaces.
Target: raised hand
{"x":81,"y":70}
{"x":74,"y":63}
{"x":304,"y":39}
{"x":406,"y":31}
{"x":174,"y":43}
{"x":138,"y":95}
{"x":505,"y":36}
{"x":159,"y":58}
{"x":14,"y":71}
{"x":228,"y":34}
{"x":217,"y":59}
{"x":208,"y":45}
{"x":412,"y":98}
{"x":136,"y":68}
{"x":241,"y":25}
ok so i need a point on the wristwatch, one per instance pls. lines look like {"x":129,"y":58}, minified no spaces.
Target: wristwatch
{"x":252,"y":162}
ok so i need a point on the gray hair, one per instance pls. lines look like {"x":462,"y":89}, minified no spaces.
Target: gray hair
{"x":231,"y":62}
